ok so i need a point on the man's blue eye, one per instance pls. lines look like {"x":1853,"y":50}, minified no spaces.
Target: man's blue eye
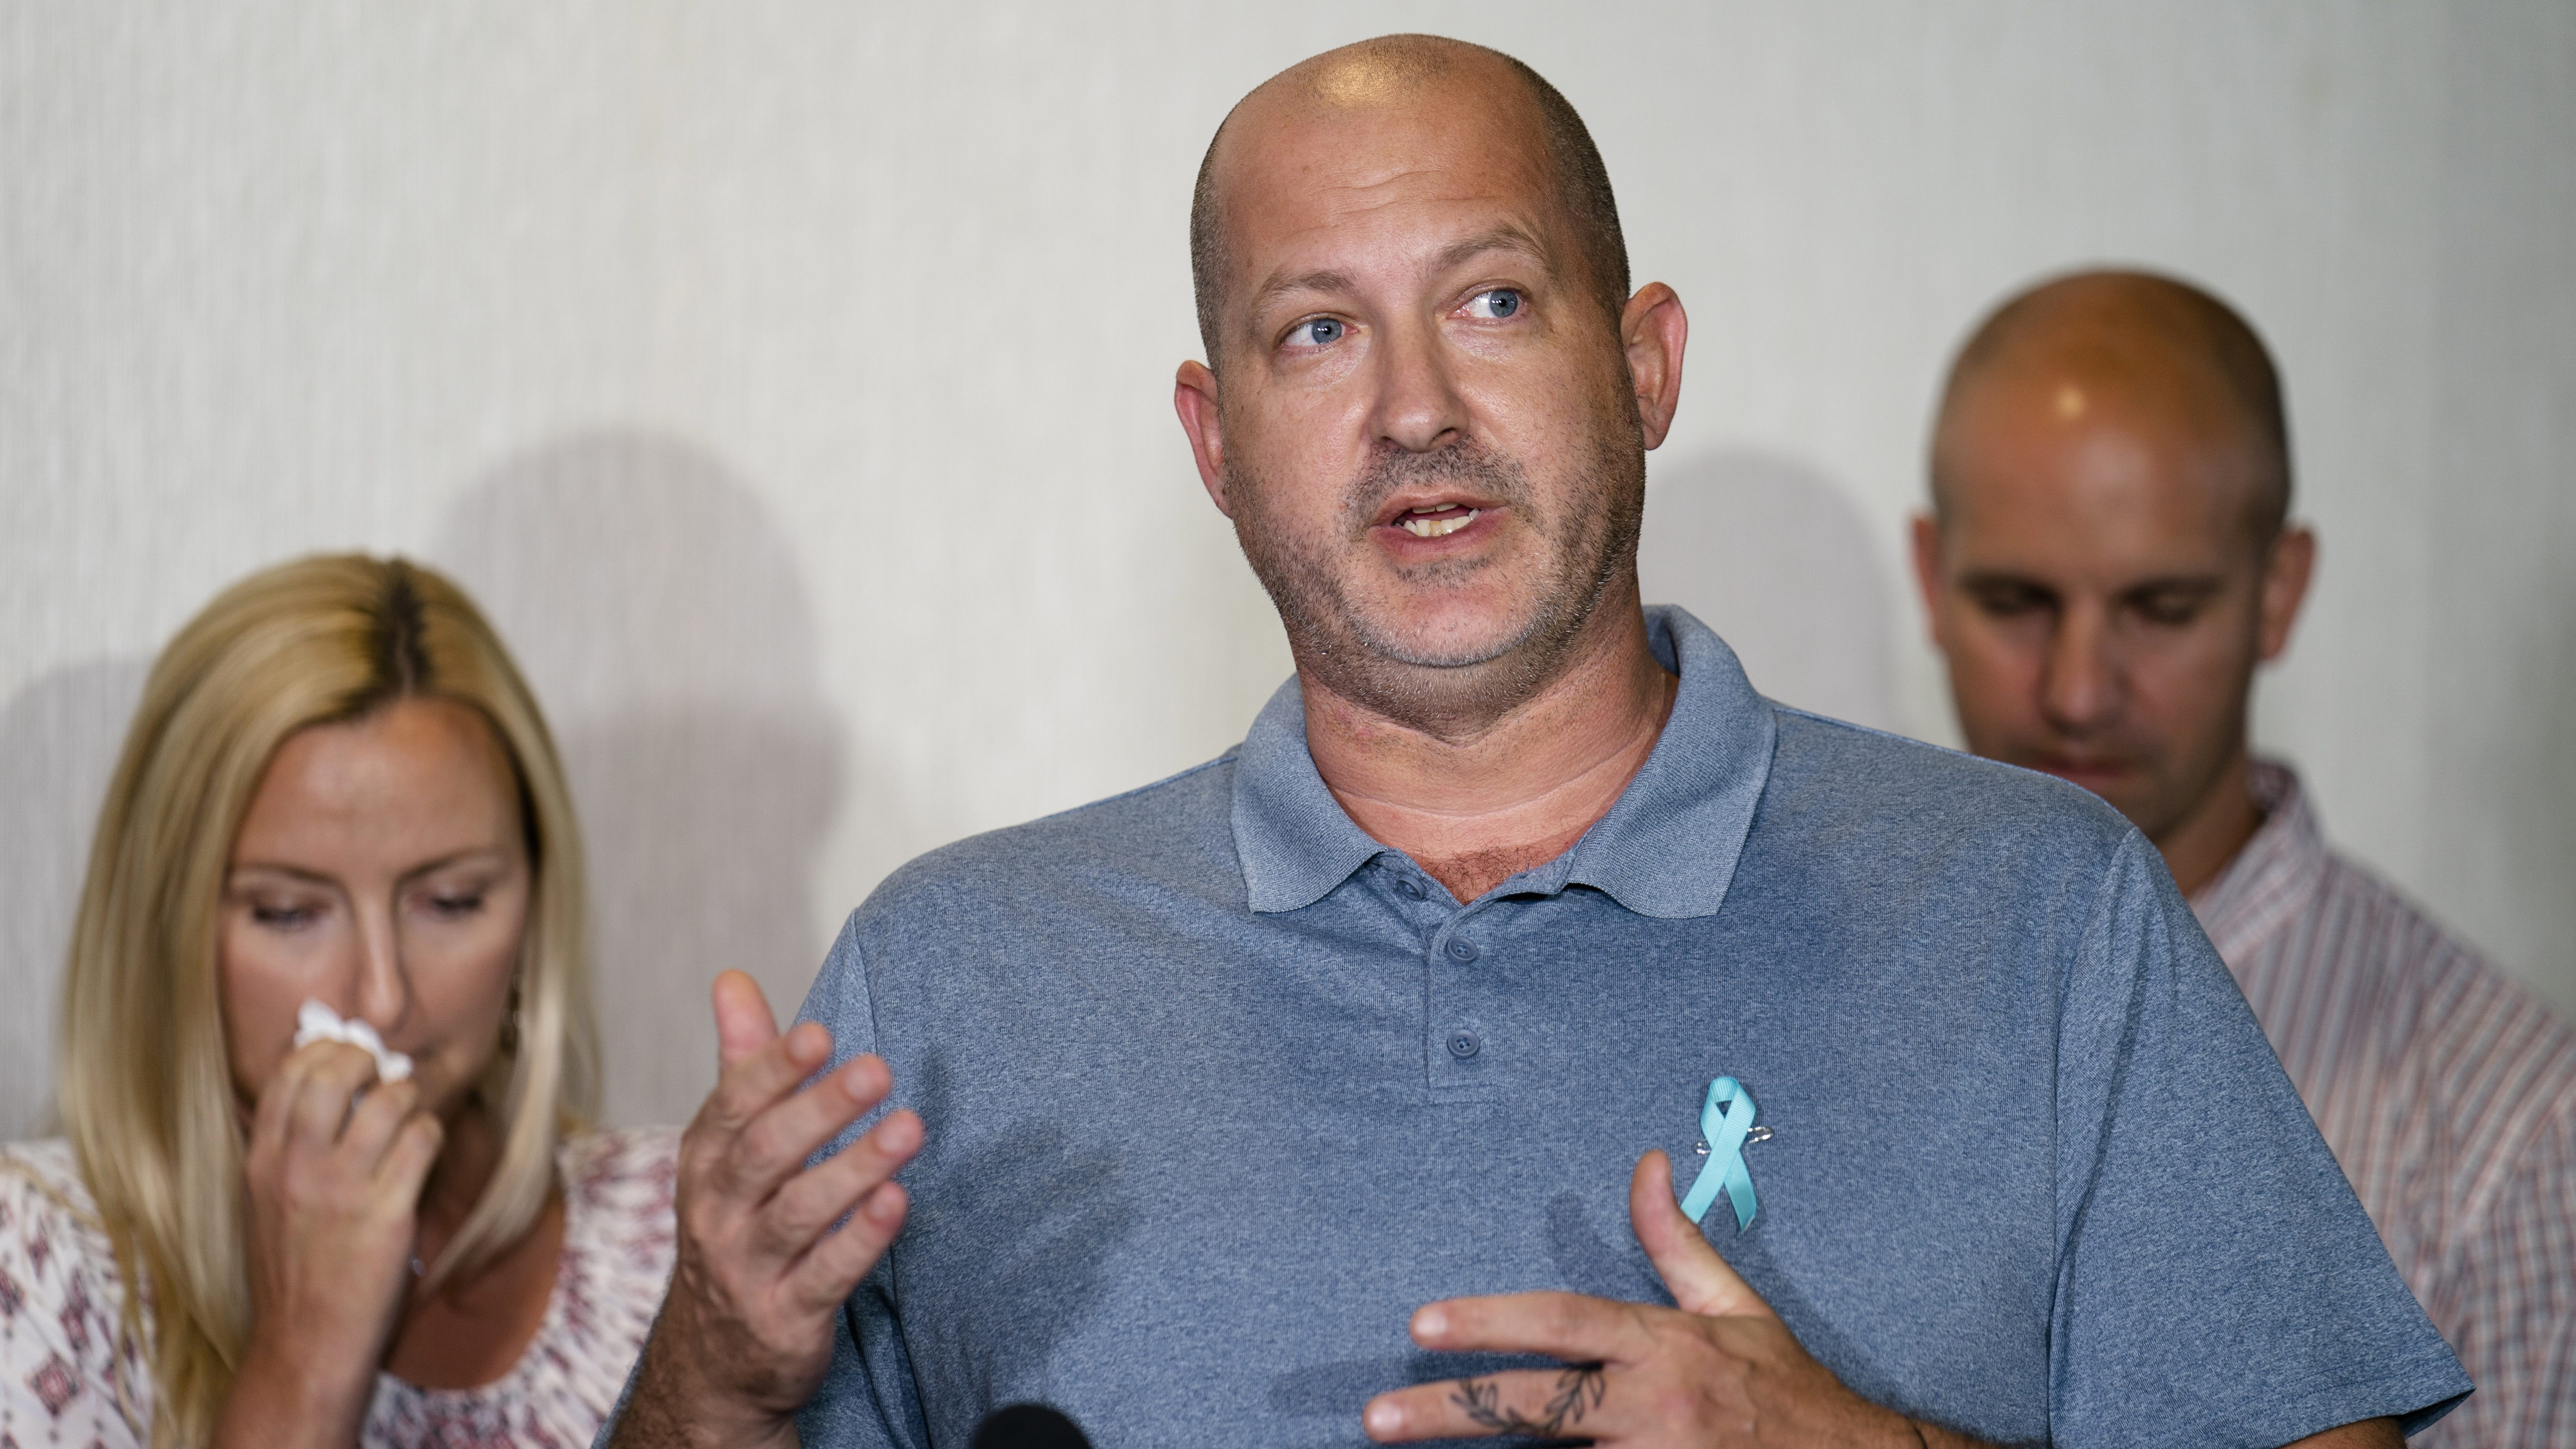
{"x":1317,"y":332}
{"x":1499,"y":303}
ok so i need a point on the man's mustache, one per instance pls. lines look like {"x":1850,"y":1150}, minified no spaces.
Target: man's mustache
{"x":1472,"y":466}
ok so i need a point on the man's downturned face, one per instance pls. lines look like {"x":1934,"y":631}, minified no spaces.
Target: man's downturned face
{"x":1430,"y":451}
{"x":2096,"y":588}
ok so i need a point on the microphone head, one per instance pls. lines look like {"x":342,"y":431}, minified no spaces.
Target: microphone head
{"x":1027,"y":1426}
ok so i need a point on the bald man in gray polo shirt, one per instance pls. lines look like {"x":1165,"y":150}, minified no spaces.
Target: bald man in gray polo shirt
{"x":1529,"y":1029}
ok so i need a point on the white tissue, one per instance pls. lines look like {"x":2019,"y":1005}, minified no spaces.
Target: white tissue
{"x":317,"y":1022}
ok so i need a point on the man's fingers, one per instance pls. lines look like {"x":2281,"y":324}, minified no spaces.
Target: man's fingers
{"x":751,"y":1084}
{"x":829,"y":1274}
{"x":744,"y":1022}
{"x":774,"y":1146}
{"x":1700,"y":1280}
{"x":1560,"y":1325}
{"x":814,"y":1199}
{"x":1563,"y":1403}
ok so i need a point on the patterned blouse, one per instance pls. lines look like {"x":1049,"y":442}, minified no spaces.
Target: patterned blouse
{"x":71,"y":1375}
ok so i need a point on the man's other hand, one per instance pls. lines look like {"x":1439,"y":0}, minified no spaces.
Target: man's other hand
{"x":1717,"y":1372}
{"x":1720,"y":1369}
{"x":746,"y":1330}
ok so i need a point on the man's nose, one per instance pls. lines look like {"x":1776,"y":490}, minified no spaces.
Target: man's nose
{"x":2079,"y":685}
{"x":1418,"y":406}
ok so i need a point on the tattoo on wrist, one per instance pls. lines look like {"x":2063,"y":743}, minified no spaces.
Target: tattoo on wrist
{"x":1579,"y":1390}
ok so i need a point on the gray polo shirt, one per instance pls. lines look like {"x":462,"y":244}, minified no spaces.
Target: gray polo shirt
{"x":1219,"y":1090}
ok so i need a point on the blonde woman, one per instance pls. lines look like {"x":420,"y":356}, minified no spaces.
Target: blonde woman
{"x":337,"y":790}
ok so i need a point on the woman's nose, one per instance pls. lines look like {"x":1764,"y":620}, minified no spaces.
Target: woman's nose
{"x":383,"y":994}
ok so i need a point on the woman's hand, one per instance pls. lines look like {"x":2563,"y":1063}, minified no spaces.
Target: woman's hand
{"x":332,"y":1182}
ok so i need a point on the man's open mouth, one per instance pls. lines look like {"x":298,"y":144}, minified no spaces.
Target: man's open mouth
{"x":1437,"y":519}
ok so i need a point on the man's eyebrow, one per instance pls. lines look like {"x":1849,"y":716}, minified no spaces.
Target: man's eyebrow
{"x":1279,"y":286}
{"x":2002,"y":579}
{"x":1508,"y":237}
{"x":2196,"y":586}
{"x":2161,"y":584}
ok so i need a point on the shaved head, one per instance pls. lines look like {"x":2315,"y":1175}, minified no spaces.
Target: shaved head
{"x":2110,"y":560}
{"x":2149,"y":348}
{"x":1427,"y":397}
{"x":1404,"y":71}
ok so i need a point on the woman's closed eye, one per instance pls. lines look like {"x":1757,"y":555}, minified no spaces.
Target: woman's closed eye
{"x":283,"y":915}
{"x":452,"y":905}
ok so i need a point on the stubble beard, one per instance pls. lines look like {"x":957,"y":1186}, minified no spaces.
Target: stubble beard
{"x":1458,"y":691}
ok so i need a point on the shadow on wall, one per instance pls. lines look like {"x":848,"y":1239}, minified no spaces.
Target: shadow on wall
{"x":1776,"y":559}
{"x":59,"y":739}
{"x":660,"y":616}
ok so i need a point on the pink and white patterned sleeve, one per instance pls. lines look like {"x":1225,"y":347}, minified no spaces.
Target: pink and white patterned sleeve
{"x":61,"y":1346}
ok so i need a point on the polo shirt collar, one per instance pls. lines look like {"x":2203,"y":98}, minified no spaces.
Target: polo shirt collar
{"x":1668,"y":848}
{"x":1295,"y":840}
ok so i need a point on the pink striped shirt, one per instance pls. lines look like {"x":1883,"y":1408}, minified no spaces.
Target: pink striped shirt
{"x":2447,"y":1092}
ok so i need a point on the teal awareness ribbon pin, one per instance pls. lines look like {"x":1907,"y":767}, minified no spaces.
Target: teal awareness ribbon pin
{"x":1724,"y":1120}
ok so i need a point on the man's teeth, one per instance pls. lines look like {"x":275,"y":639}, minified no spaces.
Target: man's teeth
{"x":1421,"y":527}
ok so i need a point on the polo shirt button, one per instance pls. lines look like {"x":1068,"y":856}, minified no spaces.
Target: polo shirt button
{"x":1410,"y":886}
{"x":1463,"y":1044}
{"x":1461,"y":950}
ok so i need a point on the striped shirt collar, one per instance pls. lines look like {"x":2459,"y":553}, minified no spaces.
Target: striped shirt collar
{"x":2273,"y":874}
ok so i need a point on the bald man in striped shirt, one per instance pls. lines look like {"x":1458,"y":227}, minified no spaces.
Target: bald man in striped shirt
{"x":2107,"y":559}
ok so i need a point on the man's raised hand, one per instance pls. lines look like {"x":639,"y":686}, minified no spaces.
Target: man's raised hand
{"x":1718,"y":1370}
{"x":746,"y":1331}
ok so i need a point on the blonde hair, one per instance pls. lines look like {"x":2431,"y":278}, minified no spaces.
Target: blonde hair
{"x":145,"y":1084}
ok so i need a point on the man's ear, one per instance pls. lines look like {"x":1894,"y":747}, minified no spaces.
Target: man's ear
{"x":2286,"y":571}
{"x":1653,"y":330}
{"x":1927,"y":573}
{"x":1194,"y":398}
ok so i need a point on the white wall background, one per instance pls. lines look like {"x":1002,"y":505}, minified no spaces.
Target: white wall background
{"x":791,"y":378}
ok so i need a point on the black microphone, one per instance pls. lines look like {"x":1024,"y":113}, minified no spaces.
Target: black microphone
{"x":1027,"y":1426}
